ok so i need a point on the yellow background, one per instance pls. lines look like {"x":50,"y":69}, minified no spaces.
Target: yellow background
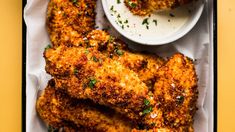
{"x":10,"y":65}
{"x":226,"y":71}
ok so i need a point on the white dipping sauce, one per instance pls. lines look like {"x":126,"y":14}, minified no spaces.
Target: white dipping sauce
{"x":161,"y":24}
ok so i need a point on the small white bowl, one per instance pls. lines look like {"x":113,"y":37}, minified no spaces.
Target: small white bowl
{"x":162,"y":28}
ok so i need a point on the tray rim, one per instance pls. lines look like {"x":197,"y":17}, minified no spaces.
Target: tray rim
{"x":214,"y":67}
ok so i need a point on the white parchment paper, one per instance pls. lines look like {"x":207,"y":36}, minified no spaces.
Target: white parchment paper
{"x":197,"y":44}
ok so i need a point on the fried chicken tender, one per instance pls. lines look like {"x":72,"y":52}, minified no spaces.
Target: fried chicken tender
{"x":88,"y":74}
{"x":90,"y":64}
{"x":176,"y":91}
{"x":61,"y":111}
{"x":68,"y":21}
{"x":145,"y":65}
{"x":145,"y":7}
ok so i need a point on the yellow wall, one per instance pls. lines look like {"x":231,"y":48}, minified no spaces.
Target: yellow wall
{"x":10,"y":65}
{"x":226,"y":71}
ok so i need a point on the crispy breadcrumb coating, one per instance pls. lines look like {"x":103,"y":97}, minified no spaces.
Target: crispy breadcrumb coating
{"x":145,"y":7}
{"x":145,"y":65}
{"x":157,"y":96}
{"x":176,"y":91}
{"x":60,"y":110}
{"x":91,"y":75}
{"x":68,"y":20}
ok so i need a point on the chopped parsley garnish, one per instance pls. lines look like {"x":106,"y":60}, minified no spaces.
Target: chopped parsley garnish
{"x":92,"y":83}
{"x":147,"y":26}
{"x":148,"y":110}
{"x":146,"y":102}
{"x":75,"y":71}
{"x":86,"y":51}
{"x":112,"y":7}
{"x":155,"y":21}
{"x":95,"y":59}
{"x":118,"y":1}
{"x":118,"y":16}
{"x":145,"y":21}
{"x":48,"y":47}
{"x":119,"y":52}
{"x":111,"y":39}
{"x":126,"y":21}
{"x":74,"y":1}
{"x":180,"y":99}
{"x":132,"y":4}
{"x":122,"y":26}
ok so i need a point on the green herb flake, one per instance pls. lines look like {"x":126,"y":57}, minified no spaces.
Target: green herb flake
{"x":118,"y":1}
{"x":92,"y":83}
{"x":48,"y":47}
{"x":155,"y":21}
{"x":180,"y":99}
{"x":122,"y":26}
{"x":118,"y":16}
{"x":75,"y":71}
{"x":132,"y":4}
{"x":111,"y":39}
{"x":126,"y":21}
{"x":112,"y":7}
{"x":147,"y":27}
{"x":148,"y":110}
{"x":86,"y":51}
{"x":146,"y":102}
{"x":119,"y":52}
{"x":145,"y":21}
{"x":74,"y":1}
{"x":95,"y":59}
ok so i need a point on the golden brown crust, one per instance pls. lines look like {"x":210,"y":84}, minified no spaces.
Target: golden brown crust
{"x":91,"y":64}
{"x":145,"y":65}
{"x":176,"y":91}
{"x":82,"y":115}
{"x":102,"y":79}
{"x":145,"y":7}
{"x":67,"y":20}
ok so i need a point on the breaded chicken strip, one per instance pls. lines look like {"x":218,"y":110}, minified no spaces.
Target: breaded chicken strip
{"x":88,"y":74}
{"x":68,"y":20}
{"x":145,"y":7}
{"x":176,"y":91}
{"x":145,"y":65}
{"x":59,"y":110}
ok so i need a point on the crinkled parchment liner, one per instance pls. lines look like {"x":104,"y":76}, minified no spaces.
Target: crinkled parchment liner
{"x":197,"y":44}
